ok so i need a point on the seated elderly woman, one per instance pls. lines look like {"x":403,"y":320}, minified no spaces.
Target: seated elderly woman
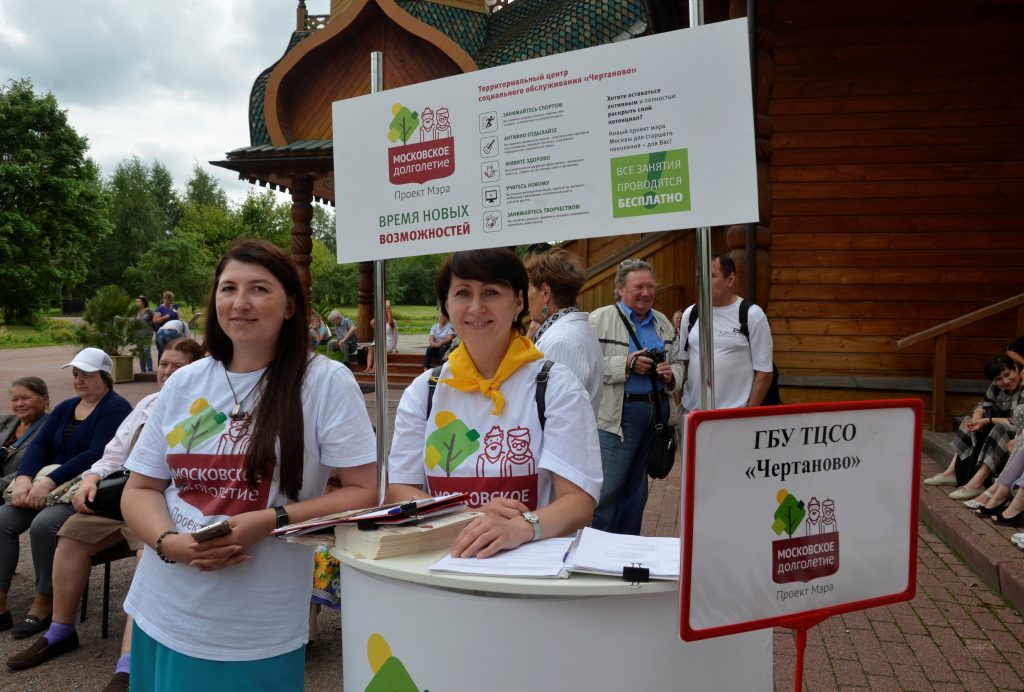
{"x":86,"y":533}
{"x":72,"y":438}
{"x":29,"y":400}
{"x":980,"y":448}
{"x":564,"y":335}
{"x":532,"y":477}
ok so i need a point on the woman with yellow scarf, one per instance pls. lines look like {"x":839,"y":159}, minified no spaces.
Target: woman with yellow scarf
{"x":532,"y":464}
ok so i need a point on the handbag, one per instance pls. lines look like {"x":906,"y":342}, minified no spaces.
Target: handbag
{"x":661,"y":455}
{"x":107,"y":502}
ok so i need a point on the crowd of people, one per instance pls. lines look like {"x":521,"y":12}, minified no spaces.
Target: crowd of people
{"x":564,"y":420}
{"x":986,"y":470}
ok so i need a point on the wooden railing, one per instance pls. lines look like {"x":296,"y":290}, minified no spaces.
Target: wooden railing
{"x":939,"y":334}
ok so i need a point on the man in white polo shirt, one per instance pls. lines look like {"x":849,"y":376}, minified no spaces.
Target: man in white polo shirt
{"x":743,"y":362}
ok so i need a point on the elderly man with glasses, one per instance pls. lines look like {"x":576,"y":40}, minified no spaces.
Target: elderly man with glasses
{"x":641,"y":367}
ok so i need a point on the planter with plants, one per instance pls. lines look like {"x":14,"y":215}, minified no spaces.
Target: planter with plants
{"x":110,"y":325}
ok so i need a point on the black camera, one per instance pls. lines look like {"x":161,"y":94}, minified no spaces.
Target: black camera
{"x":656,"y":354}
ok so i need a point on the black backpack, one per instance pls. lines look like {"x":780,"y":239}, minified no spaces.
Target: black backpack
{"x":771,"y":397}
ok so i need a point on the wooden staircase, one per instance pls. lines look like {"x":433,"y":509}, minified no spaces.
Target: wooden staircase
{"x":403,"y":368}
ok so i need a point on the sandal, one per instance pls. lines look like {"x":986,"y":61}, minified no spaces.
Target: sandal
{"x":1003,"y":520}
{"x":990,"y":511}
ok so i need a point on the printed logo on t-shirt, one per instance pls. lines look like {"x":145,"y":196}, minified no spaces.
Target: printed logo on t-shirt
{"x":506,"y":467}
{"x":214,"y":483}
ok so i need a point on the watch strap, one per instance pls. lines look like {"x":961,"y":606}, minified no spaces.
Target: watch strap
{"x":534,"y":521}
{"x":282,"y":516}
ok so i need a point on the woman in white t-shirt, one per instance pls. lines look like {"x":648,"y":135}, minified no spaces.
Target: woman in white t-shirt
{"x":390,"y":337}
{"x":483,"y":433}
{"x":249,"y":436}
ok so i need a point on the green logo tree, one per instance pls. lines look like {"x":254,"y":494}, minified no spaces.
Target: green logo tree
{"x":789,"y":514}
{"x":403,"y":125}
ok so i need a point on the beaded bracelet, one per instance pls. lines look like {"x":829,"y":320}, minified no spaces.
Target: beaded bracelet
{"x":160,"y":540}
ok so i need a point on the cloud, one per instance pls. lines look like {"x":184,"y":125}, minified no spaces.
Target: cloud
{"x":168,"y":81}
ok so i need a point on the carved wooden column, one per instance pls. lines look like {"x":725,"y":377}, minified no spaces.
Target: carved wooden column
{"x":364,"y":310}
{"x":302,"y":241}
{"x":736,"y":236}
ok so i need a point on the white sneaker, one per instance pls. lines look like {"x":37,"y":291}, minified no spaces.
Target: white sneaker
{"x":1018,"y":540}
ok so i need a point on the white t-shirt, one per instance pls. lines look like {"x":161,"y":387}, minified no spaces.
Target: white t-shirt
{"x":116,"y":451}
{"x":465,"y":447}
{"x":736,"y":358}
{"x":572,"y":342}
{"x":259,"y":608}
{"x":439,"y":332}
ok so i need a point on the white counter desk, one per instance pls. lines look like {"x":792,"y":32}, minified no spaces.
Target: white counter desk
{"x":405,"y":628}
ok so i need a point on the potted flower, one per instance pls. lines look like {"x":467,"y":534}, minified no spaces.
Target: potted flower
{"x":110,"y":326}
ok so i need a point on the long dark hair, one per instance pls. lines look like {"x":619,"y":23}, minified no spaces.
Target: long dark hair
{"x":278,"y":412}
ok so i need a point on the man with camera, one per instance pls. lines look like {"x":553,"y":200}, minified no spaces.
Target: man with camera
{"x":743,"y":350}
{"x":641,"y":366}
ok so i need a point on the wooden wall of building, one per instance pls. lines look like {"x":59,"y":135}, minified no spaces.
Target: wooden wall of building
{"x":896,"y":185}
{"x":897,"y":177}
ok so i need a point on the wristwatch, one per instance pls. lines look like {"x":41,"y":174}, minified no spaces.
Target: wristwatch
{"x":282,"y":516}
{"x":535,"y":522}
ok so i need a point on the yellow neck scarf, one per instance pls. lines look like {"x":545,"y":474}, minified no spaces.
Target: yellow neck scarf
{"x":465,"y":377}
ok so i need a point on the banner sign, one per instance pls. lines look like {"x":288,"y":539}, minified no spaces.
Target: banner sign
{"x":650,"y":134}
{"x":797,"y":511}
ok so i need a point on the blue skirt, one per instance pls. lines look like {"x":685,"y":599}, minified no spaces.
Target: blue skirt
{"x":155,"y":668}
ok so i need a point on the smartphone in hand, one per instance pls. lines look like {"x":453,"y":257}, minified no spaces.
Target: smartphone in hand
{"x":214,"y":530}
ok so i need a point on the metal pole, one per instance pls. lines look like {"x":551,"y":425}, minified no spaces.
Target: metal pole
{"x":380,"y":352}
{"x":707,"y":345}
{"x":751,"y":282}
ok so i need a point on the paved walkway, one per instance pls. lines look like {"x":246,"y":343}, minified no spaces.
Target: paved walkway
{"x":957,"y":633}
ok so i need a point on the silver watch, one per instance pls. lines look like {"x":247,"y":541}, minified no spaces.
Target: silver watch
{"x":535,"y":522}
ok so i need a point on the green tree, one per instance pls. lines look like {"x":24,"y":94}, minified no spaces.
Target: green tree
{"x":333,"y":283}
{"x":180,"y":263}
{"x":215,"y":228}
{"x":324,"y":227}
{"x":202,"y":188}
{"x":52,"y":206}
{"x":262,"y":216}
{"x":169,"y":204}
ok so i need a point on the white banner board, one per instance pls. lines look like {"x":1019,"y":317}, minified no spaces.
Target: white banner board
{"x":798,"y":509}
{"x":645,"y":135}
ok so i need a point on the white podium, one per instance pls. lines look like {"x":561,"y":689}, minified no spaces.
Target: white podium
{"x":404,"y":628}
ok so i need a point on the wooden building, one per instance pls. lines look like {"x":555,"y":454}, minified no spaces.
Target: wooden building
{"x":890,"y":159}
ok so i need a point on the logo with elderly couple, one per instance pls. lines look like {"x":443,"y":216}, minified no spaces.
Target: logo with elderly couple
{"x":425,"y":145}
{"x":811,"y":547}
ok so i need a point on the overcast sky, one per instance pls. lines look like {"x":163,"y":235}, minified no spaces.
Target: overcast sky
{"x":159,"y":79}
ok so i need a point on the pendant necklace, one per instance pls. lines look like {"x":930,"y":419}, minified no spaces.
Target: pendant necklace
{"x":236,"y":411}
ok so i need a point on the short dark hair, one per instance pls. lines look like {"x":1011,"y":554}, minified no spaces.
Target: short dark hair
{"x":561,"y":270}
{"x":726,"y":263}
{"x":278,"y":413}
{"x":996,"y":364}
{"x":107,"y":379}
{"x":495,"y":265}
{"x":145,"y":303}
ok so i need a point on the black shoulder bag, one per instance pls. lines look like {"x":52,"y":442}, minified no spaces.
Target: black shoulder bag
{"x":661,"y":455}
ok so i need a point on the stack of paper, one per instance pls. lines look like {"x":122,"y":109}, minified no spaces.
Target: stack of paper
{"x":599,"y":552}
{"x":538,"y":559}
{"x":405,"y":539}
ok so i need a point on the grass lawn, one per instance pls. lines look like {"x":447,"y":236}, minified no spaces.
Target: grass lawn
{"x":52,"y":330}
{"x":411,"y":319}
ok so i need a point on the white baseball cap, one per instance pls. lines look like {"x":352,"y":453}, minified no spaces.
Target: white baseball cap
{"x":91,"y":360}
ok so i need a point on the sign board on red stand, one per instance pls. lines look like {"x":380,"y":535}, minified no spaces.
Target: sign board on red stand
{"x":795,"y":513}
